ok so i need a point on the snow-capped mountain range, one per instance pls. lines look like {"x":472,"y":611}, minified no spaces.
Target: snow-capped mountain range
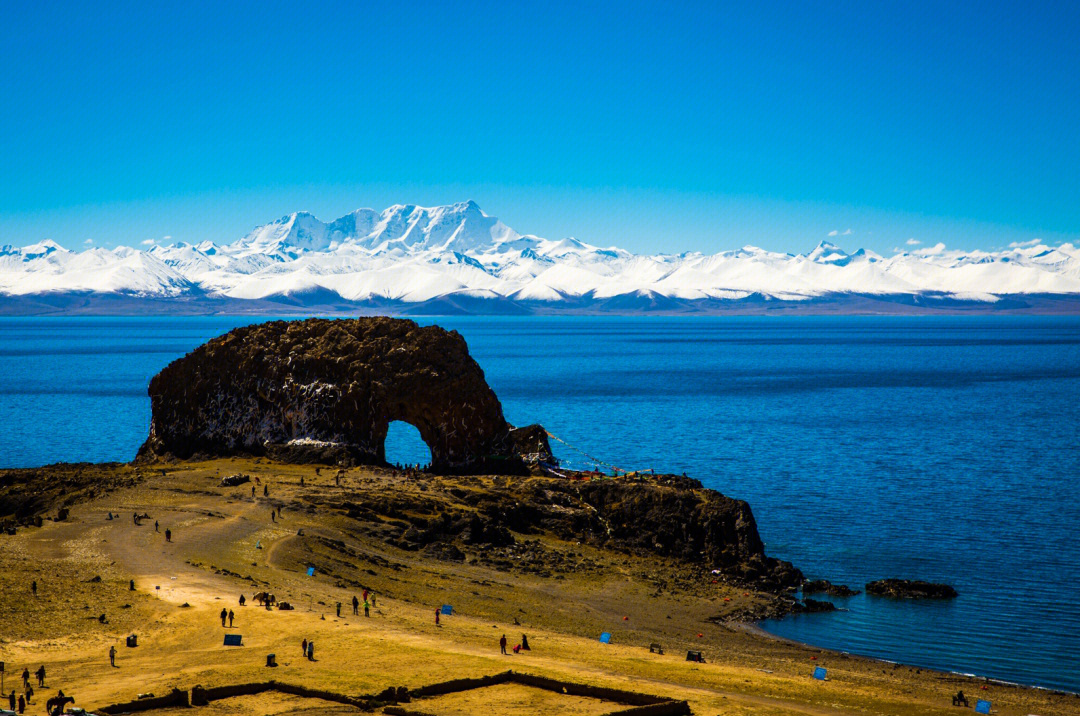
{"x":458,"y":259}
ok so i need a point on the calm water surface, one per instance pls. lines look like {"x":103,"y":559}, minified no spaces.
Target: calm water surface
{"x":933,"y":448}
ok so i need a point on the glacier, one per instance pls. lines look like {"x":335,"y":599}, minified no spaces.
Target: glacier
{"x":458,"y":259}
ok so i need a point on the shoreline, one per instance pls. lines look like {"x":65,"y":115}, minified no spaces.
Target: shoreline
{"x":754,"y":629}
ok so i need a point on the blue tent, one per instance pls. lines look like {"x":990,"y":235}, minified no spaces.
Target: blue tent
{"x":605,"y":638}
{"x":819,"y":673}
{"x":982,"y":707}
{"x":311,"y":571}
{"x":233,"y":640}
{"x":447,"y":609}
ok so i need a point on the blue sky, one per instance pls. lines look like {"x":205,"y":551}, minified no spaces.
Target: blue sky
{"x":662,"y":127}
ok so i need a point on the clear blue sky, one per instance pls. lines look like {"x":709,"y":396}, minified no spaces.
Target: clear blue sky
{"x":661,"y":127}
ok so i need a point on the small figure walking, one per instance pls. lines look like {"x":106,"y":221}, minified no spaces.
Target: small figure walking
{"x":26,"y":679}
{"x":112,"y":656}
{"x":311,"y":651}
{"x":502,"y":643}
{"x":303,"y":647}
{"x":22,"y":704}
{"x":253,"y":491}
{"x":33,"y":587}
{"x":168,"y":535}
{"x":437,"y":617}
{"x":355,"y":605}
{"x":273,"y":515}
{"x":339,"y":610}
{"x":156,"y":526}
{"x":224,"y":615}
{"x":366,"y":607}
{"x":373,"y":600}
{"x":266,"y":490}
{"x":231,"y":617}
{"x":40,"y":673}
{"x":11,"y":700}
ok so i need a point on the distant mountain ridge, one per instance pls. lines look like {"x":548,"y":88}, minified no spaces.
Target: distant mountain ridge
{"x":458,"y":259}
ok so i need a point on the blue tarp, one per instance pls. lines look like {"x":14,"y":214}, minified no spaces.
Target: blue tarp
{"x":233,"y":640}
{"x":447,"y":609}
{"x":819,"y":673}
{"x":605,"y":638}
{"x":311,"y":571}
{"x":982,"y":707}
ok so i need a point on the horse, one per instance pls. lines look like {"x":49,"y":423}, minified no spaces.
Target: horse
{"x":55,"y":705}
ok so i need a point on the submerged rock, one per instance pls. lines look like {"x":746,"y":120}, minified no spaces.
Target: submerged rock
{"x":327,"y":390}
{"x":910,"y":589}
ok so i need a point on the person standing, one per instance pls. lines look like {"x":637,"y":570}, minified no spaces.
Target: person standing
{"x":311,"y":651}
{"x":273,"y":516}
{"x":366,"y":607}
{"x":29,"y":693}
{"x":168,"y":535}
{"x":266,"y":490}
{"x":253,"y":491}
{"x":40,"y":673}
{"x":156,"y":526}
{"x":26,"y":679}
{"x":224,"y":615}
{"x":11,"y":700}
{"x":231,"y":617}
{"x":22,"y":704}
{"x":355,"y":605}
{"x":502,"y":643}
{"x":112,"y":656}
{"x":437,"y":611}
{"x":33,"y":587}
{"x":373,"y":605}
{"x":339,"y":610}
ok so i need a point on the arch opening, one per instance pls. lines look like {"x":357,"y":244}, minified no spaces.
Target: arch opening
{"x":403,"y":446}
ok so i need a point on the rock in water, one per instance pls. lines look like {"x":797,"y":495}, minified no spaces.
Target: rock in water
{"x":910,"y":589}
{"x":824,"y":586}
{"x":327,"y":390}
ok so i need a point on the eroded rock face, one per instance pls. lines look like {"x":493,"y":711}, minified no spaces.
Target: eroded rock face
{"x":326,"y":391}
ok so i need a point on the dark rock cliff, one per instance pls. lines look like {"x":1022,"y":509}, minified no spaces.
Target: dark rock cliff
{"x":327,"y":390}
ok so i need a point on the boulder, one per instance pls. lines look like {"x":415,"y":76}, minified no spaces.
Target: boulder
{"x":326,"y":391}
{"x":910,"y":589}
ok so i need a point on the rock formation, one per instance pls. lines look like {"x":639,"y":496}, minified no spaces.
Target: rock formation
{"x":327,"y":390}
{"x":910,"y":589}
{"x":824,"y":586}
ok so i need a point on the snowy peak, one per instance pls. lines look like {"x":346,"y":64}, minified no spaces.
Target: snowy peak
{"x":457,"y":255}
{"x":829,"y":253}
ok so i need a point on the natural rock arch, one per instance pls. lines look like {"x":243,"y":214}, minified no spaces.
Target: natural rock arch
{"x":327,"y":390}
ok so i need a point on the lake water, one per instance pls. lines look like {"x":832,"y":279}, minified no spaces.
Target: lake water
{"x":936,"y":448}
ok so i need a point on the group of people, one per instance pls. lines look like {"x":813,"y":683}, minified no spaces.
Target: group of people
{"x":137,"y":518}
{"x":228,"y":614}
{"x":308,"y":649}
{"x":18,"y":703}
{"x":369,"y":602}
{"x":518,"y":648}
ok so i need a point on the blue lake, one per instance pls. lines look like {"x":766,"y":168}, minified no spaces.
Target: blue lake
{"x":941,"y":448}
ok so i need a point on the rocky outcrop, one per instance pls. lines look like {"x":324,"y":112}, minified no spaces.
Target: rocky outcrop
{"x":327,"y":390}
{"x":910,"y":589}
{"x":667,"y":516}
{"x":824,"y":586}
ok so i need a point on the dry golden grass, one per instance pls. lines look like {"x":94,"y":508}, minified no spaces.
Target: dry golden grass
{"x":223,"y":532}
